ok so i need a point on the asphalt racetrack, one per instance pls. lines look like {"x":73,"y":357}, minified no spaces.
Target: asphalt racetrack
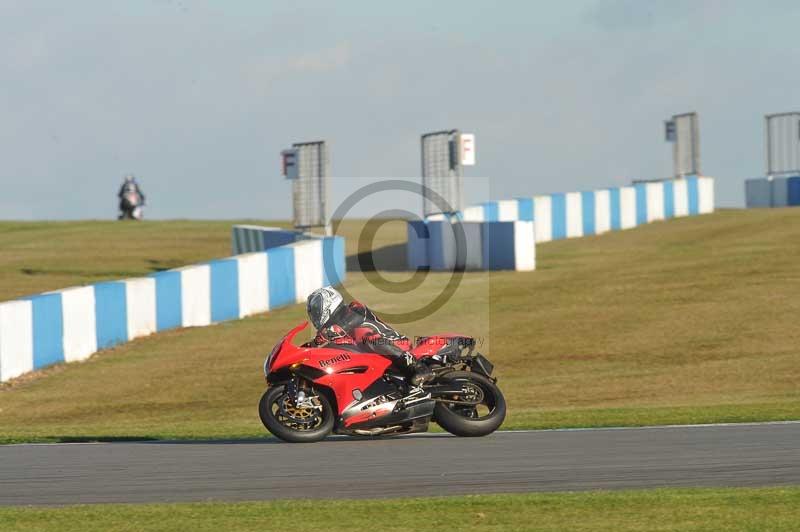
{"x":429,"y":464}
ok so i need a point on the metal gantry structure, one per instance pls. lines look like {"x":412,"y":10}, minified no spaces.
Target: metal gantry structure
{"x":307,"y":164}
{"x":782,"y":143}
{"x":444,"y":154}
{"x":683,"y":132}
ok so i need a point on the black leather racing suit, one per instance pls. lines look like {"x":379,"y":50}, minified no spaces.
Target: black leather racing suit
{"x":355,"y":324}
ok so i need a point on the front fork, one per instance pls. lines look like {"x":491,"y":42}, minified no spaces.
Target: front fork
{"x":301,"y":393}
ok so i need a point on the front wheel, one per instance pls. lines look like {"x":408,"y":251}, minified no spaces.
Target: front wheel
{"x":479,"y":410}
{"x":305,"y":423}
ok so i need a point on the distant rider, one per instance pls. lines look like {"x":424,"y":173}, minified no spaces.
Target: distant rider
{"x":355,"y":324}
{"x":129,"y":185}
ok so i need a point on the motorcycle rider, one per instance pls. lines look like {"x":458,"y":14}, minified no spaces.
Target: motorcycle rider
{"x":355,"y":324}
{"x":129,"y":185}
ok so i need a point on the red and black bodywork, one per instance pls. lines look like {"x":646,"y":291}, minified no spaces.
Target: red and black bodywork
{"x":368,"y":395}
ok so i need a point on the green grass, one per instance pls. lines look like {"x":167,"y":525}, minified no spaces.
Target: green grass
{"x":691,"y":320}
{"x":40,"y":256}
{"x":650,"y":510}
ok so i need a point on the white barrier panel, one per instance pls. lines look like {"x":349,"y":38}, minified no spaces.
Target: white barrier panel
{"x":705,"y":189}
{"x":253,"y":286}
{"x":574,"y":214}
{"x":543,"y":217}
{"x":140,"y":298}
{"x":473,"y":256}
{"x":196,"y":295}
{"x":489,"y":245}
{"x":77,"y":309}
{"x":16,"y":339}
{"x":681,"y":197}
{"x":602,"y":211}
{"x":508,"y":246}
{"x":655,"y":201}
{"x":472,"y":214}
{"x":507,"y":211}
{"x":627,"y":207}
{"x":307,"y":267}
{"x":524,"y":246}
{"x":71,"y":324}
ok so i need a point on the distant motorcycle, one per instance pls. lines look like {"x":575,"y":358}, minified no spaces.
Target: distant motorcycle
{"x":130,"y":206}
{"x":314,"y":391}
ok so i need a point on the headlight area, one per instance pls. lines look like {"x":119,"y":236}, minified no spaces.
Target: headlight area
{"x":269,"y":358}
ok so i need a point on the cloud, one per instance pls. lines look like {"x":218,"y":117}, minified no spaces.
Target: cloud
{"x":198,"y":103}
{"x":614,"y":15}
{"x":324,"y":60}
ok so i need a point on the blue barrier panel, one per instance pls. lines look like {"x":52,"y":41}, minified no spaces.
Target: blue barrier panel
{"x":491,"y":211}
{"x":694,"y":196}
{"x":111,"y":314}
{"x":275,"y":238}
{"x":669,"y":199}
{"x":558,"y":211}
{"x":587,"y":201}
{"x":169,"y":309}
{"x":418,"y":237}
{"x":525,"y":209}
{"x":498,"y":246}
{"x":616,"y":216}
{"x":48,"y":330}
{"x":441,"y":245}
{"x":281,"y":276}
{"x":641,"y":203}
{"x":793,"y":191}
{"x":224,"y":275}
{"x":333,"y":260}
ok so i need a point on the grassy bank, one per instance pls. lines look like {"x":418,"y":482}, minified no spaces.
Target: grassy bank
{"x":661,"y":510}
{"x":686,"y":321}
{"x":40,"y":256}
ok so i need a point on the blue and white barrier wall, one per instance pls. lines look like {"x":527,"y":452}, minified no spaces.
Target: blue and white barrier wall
{"x":432,"y":244}
{"x":576,"y":214}
{"x":773,"y":192}
{"x":71,"y":324}
{"x":252,"y":238}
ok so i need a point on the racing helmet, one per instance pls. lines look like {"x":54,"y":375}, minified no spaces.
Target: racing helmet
{"x":321,"y":305}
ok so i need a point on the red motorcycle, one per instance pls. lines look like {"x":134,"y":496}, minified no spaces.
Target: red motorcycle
{"x":316,"y":391}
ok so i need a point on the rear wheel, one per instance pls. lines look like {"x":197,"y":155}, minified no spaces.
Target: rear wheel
{"x":305,"y":423}
{"x":484,"y":413}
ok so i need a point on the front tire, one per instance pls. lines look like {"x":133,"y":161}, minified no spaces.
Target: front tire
{"x":464,"y":421}
{"x":316,"y":429}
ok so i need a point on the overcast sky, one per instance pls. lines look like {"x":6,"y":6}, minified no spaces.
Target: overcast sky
{"x":197,"y":98}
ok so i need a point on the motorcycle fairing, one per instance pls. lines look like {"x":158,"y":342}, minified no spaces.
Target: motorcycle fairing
{"x":363,"y":398}
{"x":330,"y":364}
{"x":429,"y":346}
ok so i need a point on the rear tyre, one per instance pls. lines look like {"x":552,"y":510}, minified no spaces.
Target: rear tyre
{"x":481,"y":420}
{"x":313,"y":425}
